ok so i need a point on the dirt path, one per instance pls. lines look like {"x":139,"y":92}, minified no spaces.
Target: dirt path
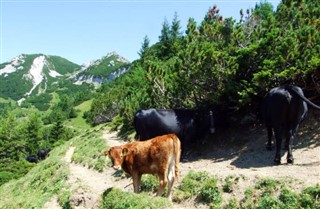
{"x":93,"y":183}
{"x":87,"y":184}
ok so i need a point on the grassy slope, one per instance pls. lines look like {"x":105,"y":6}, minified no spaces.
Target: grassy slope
{"x":2,"y":100}
{"x":49,"y":177}
{"x":79,"y":122}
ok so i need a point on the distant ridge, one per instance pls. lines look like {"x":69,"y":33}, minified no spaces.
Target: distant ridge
{"x":31,"y":75}
{"x":105,"y":69}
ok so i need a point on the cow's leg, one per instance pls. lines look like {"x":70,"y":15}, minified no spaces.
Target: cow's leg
{"x":288,"y":138}
{"x":289,"y":142}
{"x":136,"y":182}
{"x":162,"y":184}
{"x":278,"y":136}
{"x":269,"y":143}
{"x":170,"y":184}
{"x":171,"y":178}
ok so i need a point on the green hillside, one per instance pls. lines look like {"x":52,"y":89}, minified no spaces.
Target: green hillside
{"x":62,"y":65}
{"x":16,"y":84}
{"x":79,"y":122}
{"x":58,"y":76}
{"x":105,"y":66}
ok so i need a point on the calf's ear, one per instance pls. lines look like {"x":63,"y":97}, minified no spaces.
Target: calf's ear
{"x":124,"y":152}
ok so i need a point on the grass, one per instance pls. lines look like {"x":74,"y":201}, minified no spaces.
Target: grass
{"x":117,"y":199}
{"x":3,"y":100}
{"x":229,"y":183}
{"x":79,"y":122}
{"x":88,"y":147}
{"x":55,"y":98}
{"x":39,"y":185}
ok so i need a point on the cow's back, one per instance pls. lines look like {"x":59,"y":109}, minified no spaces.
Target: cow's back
{"x":154,"y":155}
{"x":151,"y":123}
{"x":283,"y":106}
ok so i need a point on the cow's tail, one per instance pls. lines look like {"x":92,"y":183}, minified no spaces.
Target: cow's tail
{"x":305,"y":99}
{"x":177,"y":153}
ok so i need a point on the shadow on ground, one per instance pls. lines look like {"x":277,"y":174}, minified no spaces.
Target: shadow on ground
{"x":245,"y":145}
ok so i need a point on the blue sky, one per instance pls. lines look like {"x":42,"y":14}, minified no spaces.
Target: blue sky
{"x":84,"y":30}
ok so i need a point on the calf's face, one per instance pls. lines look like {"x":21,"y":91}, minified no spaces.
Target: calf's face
{"x":116,"y":155}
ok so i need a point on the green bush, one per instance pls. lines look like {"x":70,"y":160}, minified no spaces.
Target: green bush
{"x":209,"y":193}
{"x":149,"y":183}
{"x":310,"y":197}
{"x":250,"y":197}
{"x":267,"y":186}
{"x":232,"y":204}
{"x":10,"y":169}
{"x":180,"y":196}
{"x":289,"y":199}
{"x":192,"y":181}
{"x":116,"y":199}
{"x":270,"y":202}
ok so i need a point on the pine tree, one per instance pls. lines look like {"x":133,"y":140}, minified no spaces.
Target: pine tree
{"x":144,"y":47}
{"x":57,"y":130}
{"x":175,"y":27}
{"x":32,"y":134}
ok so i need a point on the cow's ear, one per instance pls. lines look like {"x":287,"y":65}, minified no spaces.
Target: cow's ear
{"x":124,"y":152}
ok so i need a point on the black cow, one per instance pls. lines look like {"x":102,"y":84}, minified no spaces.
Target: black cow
{"x":187,"y":124}
{"x":43,"y":153}
{"x":32,"y":158}
{"x":283,"y":109}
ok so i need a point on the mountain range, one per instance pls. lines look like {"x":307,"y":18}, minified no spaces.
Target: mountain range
{"x":31,"y":75}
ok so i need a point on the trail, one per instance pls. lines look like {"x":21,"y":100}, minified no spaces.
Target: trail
{"x":93,"y":183}
{"x":87,"y":184}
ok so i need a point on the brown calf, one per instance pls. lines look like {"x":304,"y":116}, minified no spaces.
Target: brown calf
{"x":159,"y":156}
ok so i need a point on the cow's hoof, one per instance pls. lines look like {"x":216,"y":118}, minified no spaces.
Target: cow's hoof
{"x":277,"y":161}
{"x":290,"y":160}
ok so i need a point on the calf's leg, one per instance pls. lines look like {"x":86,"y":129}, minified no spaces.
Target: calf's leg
{"x":136,"y":178}
{"x":171,"y":178}
{"x":162,"y":184}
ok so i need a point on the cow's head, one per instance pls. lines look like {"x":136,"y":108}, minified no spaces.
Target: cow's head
{"x":205,"y":122}
{"x":117,"y":154}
